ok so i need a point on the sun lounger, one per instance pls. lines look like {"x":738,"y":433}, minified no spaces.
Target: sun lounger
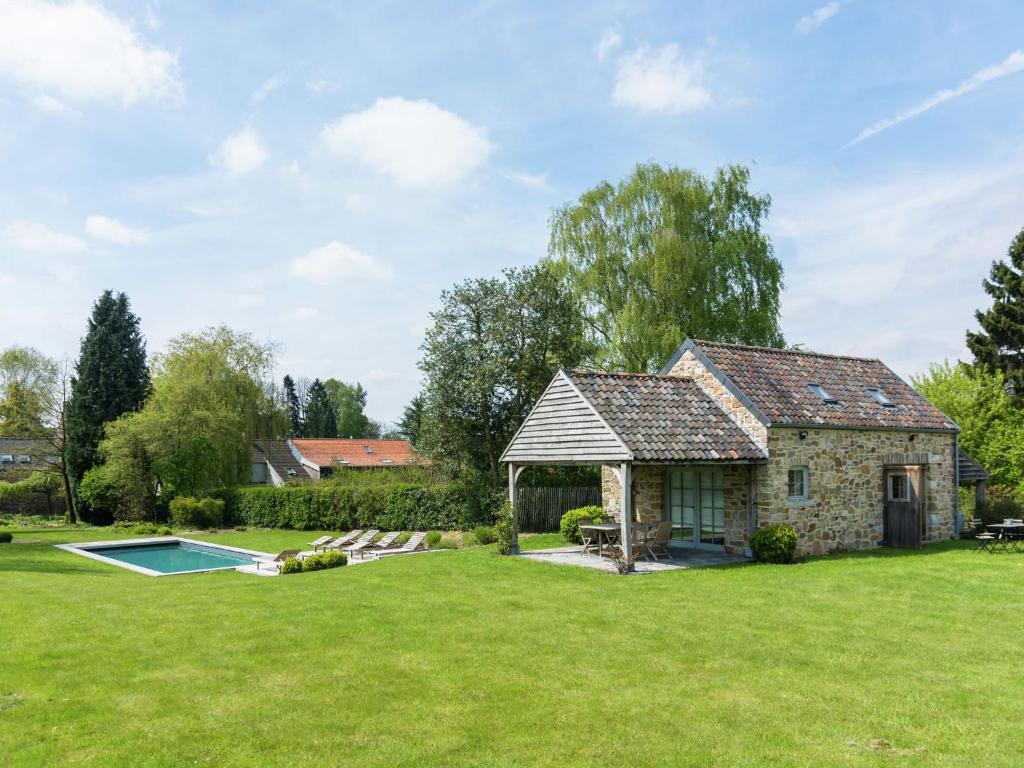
{"x":361,"y":543}
{"x":275,"y":562}
{"x":321,"y":542}
{"x":345,"y":540}
{"x":414,"y":543}
{"x":362,"y":548}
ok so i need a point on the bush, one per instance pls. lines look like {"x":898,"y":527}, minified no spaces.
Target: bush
{"x":433,"y":539}
{"x":6,"y":538}
{"x":448,"y":541}
{"x":485,"y":534}
{"x":774,"y":543}
{"x":290,"y":565}
{"x":165,"y":531}
{"x":469,"y":539}
{"x":503,"y":528}
{"x":146,"y":528}
{"x":323,"y":561}
{"x":190,"y":512}
{"x":570,"y":525}
{"x":996,"y":510}
{"x":392,"y":507}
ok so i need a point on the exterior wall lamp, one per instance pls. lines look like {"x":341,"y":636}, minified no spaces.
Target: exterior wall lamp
{"x":802,"y":434}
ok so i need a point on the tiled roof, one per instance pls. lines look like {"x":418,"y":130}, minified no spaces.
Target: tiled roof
{"x":280,"y":457}
{"x":357,"y":453}
{"x":776,"y":382}
{"x":665,"y":418}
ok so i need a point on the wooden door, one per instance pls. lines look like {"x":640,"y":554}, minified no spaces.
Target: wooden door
{"x":903,"y":514}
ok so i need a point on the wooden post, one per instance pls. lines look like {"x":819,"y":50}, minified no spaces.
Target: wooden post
{"x":979,"y":492}
{"x":626,"y":513}
{"x":513,"y":476}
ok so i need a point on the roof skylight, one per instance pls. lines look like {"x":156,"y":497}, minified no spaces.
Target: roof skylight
{"x":823,"y":393}
{"x":879,"y":395}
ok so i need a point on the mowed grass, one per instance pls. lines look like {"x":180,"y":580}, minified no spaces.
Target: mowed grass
{"x":468,"y":658}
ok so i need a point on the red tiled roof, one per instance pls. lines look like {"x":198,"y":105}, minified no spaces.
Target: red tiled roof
{"x":776,"y":382}
{"x":357,"y":453}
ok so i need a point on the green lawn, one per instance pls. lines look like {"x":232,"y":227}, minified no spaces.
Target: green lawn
{"x":468,"y":658}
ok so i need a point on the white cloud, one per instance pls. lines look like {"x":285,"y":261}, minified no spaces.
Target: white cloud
{"x":1008,"y":66}
{"x":320,"y":85}
{"x":531,"y":180}
{"x":902,"y":253}
{"x":336,"y":262}
{"x":660,"y":81}
{"x":240,"y":153}
{"x":249,"y":300}
{"x":416,"y":143}
{"x":808,"y":24}
{"x":113,"y":231}
{"x":47,"y":103}
{"x":300,"y":313}
{"x":610,"y":40}
{"x":267,"y":87}
{"x":83,"y":52}
{"x":37,"y":238}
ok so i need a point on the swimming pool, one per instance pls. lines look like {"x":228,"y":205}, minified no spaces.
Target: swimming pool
{"x":166,"y":555}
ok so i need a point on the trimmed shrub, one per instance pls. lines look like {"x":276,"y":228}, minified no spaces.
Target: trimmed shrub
{"x":146,"y":528}
{"x":190,"y":512}
{"x":324,"y":560}
{"x":6,"y":538}
{"x":996,"y":510}
{"x":503,"y":528}
{"x":774,"y":543}
{"x":290,"y":565}
{"x":433,"y":539}
{"x":327,"y":506}
{"x":570,"y":525}
{"x":485,"y":534}
{"x":165,"y":531}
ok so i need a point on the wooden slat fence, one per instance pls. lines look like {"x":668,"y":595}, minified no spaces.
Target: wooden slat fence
{"x":540,"y":509}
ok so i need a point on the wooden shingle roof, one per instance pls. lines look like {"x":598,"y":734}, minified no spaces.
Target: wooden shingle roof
{"x":777,"y":382}
{"x":665,"y":418}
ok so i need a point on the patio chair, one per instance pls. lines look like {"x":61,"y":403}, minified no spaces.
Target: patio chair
{"x":589,"y":540}
{"x":414,"y":543}
{"x":348,"y":538}
{"x":987,"y":542}
{"x":275,"y":562}
{"x":363,"y":546}
{"x":659,"y":545}
{"x":360,"y":543}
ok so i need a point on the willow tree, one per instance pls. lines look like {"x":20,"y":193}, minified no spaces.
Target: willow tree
{"x":666,"y":254}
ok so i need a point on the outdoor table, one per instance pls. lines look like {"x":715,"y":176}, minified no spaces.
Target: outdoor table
{"x":1009,"y":533}
{"x":604,"y":531}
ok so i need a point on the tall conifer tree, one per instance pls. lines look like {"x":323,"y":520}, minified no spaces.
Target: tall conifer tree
{"x":1000,"y":343}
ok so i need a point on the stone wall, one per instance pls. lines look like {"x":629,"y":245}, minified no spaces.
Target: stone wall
{"x":688,"y":366}
{"x":844,"y":509}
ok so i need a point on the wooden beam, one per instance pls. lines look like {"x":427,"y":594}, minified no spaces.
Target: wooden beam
{"x":513,"y":477}
{"x":626,"y":513}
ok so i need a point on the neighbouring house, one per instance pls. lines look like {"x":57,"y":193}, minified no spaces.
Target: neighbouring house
{"x":727,"y":438}
{"x":274,"y":462}
{"x":21,"y":455}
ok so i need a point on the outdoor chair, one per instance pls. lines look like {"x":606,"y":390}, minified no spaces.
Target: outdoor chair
{"x":414,"y":543}
{"x":589,"y":540}
{"x":659,"y":546}
{"x":360,"y":543}
{"x":275,"y":562}
{"x":987,"y":542}
{"x":341,"y":541}
{"x":363,"y":546}
{"x":321,"y":542}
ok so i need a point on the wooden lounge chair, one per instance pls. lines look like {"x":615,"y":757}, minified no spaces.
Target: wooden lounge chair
{"x":362,"y":547}
{"x":414,"y":543}
{"x":342,"y":541}
{"x":275,"y":562}
{"x":360,"y":543}
{"x":321,"y":542}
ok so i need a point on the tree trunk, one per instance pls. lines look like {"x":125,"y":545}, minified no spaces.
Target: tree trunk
{"x":68,"y":495}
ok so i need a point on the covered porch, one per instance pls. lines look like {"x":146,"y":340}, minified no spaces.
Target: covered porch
{"x":681,"y":559}
{"x":667,"y":451}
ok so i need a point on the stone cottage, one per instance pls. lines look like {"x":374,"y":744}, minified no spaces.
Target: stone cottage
{"x":727,"y":438}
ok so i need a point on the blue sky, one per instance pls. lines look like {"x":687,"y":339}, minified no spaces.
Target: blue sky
{"x":316,"y":173}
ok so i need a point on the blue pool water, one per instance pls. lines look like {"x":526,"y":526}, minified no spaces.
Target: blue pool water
{"x":174,"y":556}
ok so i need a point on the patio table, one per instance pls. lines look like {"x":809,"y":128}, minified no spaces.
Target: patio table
{"x":1010,"y":534}
{"x":608,"y":532}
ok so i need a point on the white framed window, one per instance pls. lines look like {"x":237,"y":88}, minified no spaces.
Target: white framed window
{"x":6,"y":458}
{"x":898,"y":487}
{"x":24,"y":458}
{"x":797,"y":488}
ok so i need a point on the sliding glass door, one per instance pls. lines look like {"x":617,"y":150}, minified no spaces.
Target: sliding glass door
{"x":696,"y":506}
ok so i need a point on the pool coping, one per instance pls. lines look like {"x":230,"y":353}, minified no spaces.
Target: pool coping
{"x":86,"y":549}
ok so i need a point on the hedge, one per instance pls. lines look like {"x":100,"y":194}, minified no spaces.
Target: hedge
{"x":325,"y":506}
